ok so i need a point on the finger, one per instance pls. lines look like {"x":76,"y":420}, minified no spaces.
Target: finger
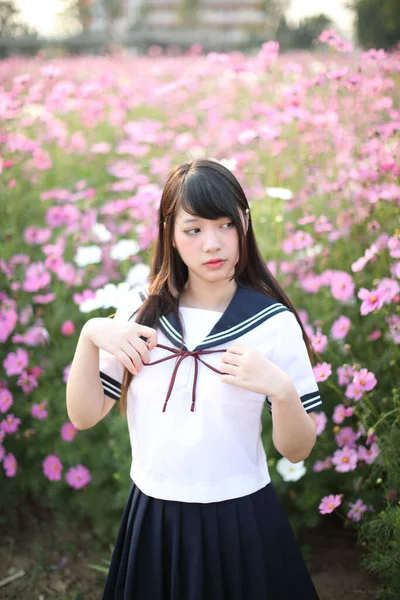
{"x":230,"y":358}
{"x":230,"y":369}
{"x":132,"y":354}
{"x":126,"y":361}
{"x":149,"y":334}
{"x":141,"y":347}
{"x":237,"y":349}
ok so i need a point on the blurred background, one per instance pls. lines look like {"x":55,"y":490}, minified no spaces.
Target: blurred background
{"x":99,"y":100}
{"x":99,"y":25}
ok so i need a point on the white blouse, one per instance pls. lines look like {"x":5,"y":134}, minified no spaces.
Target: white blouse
{"x":204,"y":444}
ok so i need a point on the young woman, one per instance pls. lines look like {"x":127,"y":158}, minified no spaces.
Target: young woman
{"x":191,"y":360}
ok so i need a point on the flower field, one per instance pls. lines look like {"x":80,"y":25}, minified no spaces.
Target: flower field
{"x":86,"y":144}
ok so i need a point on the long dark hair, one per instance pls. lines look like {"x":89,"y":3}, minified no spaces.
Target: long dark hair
{"x":209,"y":190}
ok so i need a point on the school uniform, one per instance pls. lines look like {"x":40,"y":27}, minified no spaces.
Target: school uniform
{"x":203,"y":520}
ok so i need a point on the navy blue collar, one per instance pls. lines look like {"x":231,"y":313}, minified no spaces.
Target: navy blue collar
{"x":247,"y":309}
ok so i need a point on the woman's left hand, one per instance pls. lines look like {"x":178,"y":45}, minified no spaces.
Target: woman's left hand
{"x":249,"y":369}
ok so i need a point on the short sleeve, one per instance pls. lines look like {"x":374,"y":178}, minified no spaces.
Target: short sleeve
{"x":111,"y":370}
{"x":290,"y":354}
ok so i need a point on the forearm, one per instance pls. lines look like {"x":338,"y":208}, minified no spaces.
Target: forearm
{"x":85,"y":396}
{"x":293,"y":433}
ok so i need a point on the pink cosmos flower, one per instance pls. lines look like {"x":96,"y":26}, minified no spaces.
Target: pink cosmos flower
{"x":37,"y":277}
{"x":10,"y":424}
{"x":66,"y":372}
{"x":52,"y":467}
{"x":27,"y":382}
{"x":39,"y":410}
{"x":44,"y":298}
{"x":321,"y":421}
{"x":372,"y":300}
{"x":36,"y":236}
{"x":322,"y":371}
{"x":346,"y":437}
{"x":68,"y":432}
{"x":36,"y":335}
{"x":356,"y":510}
{"x":329,"y":503}
{"x":340,"y":327}
{"x":374,"y":335}
{"x":354,"y":392}
{"x":68,"y":328}
{"x":368,"y":455}
{"x":365,"y":380}
{"x":319,"y":341}
{"x":6,"y":400}
{"x":342,"y":286}
{"x":322,"y":465}
{"x":15,"y":362}
{"x":77,"y":477}
{"x":10,"y":465}
{"x":341,"y":412}
{"x":345,"y":459}
{"x":345,"y":374}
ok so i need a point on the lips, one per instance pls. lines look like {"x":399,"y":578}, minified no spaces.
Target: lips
{"x":214,"y":260}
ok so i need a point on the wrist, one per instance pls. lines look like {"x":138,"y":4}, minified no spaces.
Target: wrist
{"x":284,"y":392}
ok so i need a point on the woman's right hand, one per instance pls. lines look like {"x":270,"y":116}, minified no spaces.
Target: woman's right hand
{"x":122,"y":339}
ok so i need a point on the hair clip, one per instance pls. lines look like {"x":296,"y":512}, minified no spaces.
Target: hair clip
{"x":247,"y":210}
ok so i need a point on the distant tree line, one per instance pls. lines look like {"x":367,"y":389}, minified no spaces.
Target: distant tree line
{"x":377,"y":22}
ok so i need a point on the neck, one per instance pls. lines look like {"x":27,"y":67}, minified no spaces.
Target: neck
{"x":211,"y":296}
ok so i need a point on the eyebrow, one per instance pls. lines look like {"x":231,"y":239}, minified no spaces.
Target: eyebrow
{"x":190,"y":220}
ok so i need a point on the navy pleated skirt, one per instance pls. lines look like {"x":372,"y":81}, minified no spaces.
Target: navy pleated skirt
{"x":239,"y":549}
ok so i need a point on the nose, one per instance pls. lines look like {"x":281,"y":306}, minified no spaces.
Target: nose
{"x":211,"y":242}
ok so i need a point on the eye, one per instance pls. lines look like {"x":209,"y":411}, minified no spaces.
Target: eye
{"x":231,"y":223}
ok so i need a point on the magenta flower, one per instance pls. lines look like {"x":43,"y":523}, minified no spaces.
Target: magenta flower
{"x":66,"y":372}
{"x":319,"y":341}
{"x":68,"y":328}
{"x":10,"y":424}
{"x":27,"y":382}
{"x":15,"y":362}
{"x":322,"y":465}
{"x":345,"y":374}
{"x":372,"y":300}
{"x":345,"y":459}
{"x":342,"y":286}
{"x":346,"y":437}
{"x":339,"y":414}
{"x":37,"y":277}
{"x":68,"y":432}
{"x":10,"y":465}
{"x":52,"y":467}
{"x":6,"y":400}
{"x":354,"y":392}
{"x":356,"y":510}
{"x":39,"y":410}
{"x":321,"y":421}
{"x":365,"y":380}
{"x":322,"y":371}
{"x":77,"y":477}
{"x":368,"y":455}
{"x":340,"y":327}
{"x":329,"y":503}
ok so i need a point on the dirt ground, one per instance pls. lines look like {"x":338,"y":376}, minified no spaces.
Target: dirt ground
{"x":55,"y":564}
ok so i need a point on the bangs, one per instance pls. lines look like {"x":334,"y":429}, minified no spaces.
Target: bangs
{"x":208,"y":197}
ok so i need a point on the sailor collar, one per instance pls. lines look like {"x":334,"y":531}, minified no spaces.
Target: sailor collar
{"x":247,"y":309}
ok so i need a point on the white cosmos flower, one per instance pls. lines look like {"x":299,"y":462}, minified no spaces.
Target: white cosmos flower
{"x":281,"y":193}
{"x":290,"y":471}
{"x":124,"y":249}
{"x":87,"y":255}
{"x":110,"y":296}
{"x":138,"y":275}
{"x":101,"y":232}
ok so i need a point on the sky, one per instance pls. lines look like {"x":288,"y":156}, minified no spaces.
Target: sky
{"x":44,"y":15}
